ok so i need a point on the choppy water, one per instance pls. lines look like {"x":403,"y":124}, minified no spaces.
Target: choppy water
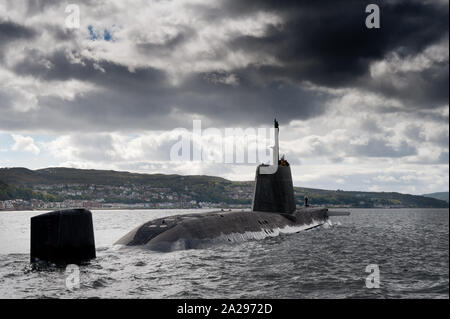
{"x":410,"y":246}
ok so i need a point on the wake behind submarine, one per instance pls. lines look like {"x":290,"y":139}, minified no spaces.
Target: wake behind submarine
{"x":273,"y":212}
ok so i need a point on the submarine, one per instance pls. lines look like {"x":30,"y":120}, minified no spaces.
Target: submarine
{"x":273,"y":212}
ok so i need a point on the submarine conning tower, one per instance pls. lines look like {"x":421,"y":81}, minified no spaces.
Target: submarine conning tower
{"x":274,"y":190}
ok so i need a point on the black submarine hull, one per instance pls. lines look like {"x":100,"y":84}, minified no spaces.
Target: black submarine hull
{"x":205,"y":229}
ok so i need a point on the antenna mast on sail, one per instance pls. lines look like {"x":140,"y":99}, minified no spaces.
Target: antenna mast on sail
{"x":276,"y":148}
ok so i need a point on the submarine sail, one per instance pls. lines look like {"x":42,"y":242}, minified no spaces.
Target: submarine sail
{"x":274,"y":190}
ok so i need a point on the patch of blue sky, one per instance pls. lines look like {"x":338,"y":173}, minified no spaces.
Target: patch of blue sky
{"x":92,"y":34}
{"x":6,"y":142}
{"x":107,"y":35}
{"x":98,"y":35}
{"x":20,"y":158}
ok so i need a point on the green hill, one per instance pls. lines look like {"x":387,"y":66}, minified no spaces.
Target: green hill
{"x":440,"y":195}
{"x":8,"y":192}
{"x":53,"y":184}
{"x":12,"y":192}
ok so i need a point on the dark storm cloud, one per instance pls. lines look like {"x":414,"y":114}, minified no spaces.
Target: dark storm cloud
{"x":34,"y":7}
{"x":65,"y":65}
{"x":61,"y":34}
{"x":248,"y":100}
{"x":323,"y":43}
{"x":122,"y":97}
{"x":144,"y":108}
{"x":37,"y":6}
{"x":327,"y":43}
{"x":415,"y":133}
{"x":443,"y":158}
{"x":142,"y":97}
{"x":441,"y":139}
{"x":168,"y":45}
{"x":423,"y":115}
{"x":377,"y":147}
{"x":420,"y":89}
{"x":11,"y":31}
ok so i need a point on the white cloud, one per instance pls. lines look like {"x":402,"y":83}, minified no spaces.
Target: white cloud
{"x":142,"y":22}
{"x":24,"y":144}
{"x":319,"y":161}
{"x":375,"y":188}
{"x":394,"y":63}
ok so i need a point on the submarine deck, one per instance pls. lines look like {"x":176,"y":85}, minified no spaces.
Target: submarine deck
{"x":195,"y":229}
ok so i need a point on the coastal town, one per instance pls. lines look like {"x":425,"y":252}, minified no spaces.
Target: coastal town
{"x":60,"y":188}
{"x":61,"y":196}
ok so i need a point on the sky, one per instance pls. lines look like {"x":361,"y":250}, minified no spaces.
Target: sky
{"x":359,"y":108}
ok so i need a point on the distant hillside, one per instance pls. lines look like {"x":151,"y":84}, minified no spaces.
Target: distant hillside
{"x":8,"y":192}
{"x":12,"y":192}
{"x":441,"y":195}
{"x":124,"y":187}
{"x":60,"y":182}
{"x":62,"y":175}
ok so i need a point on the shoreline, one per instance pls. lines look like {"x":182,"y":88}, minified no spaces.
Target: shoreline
{"x":209,"y":208}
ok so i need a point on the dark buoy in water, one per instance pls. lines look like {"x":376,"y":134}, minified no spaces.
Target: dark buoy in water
{"x":62,"y":237}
